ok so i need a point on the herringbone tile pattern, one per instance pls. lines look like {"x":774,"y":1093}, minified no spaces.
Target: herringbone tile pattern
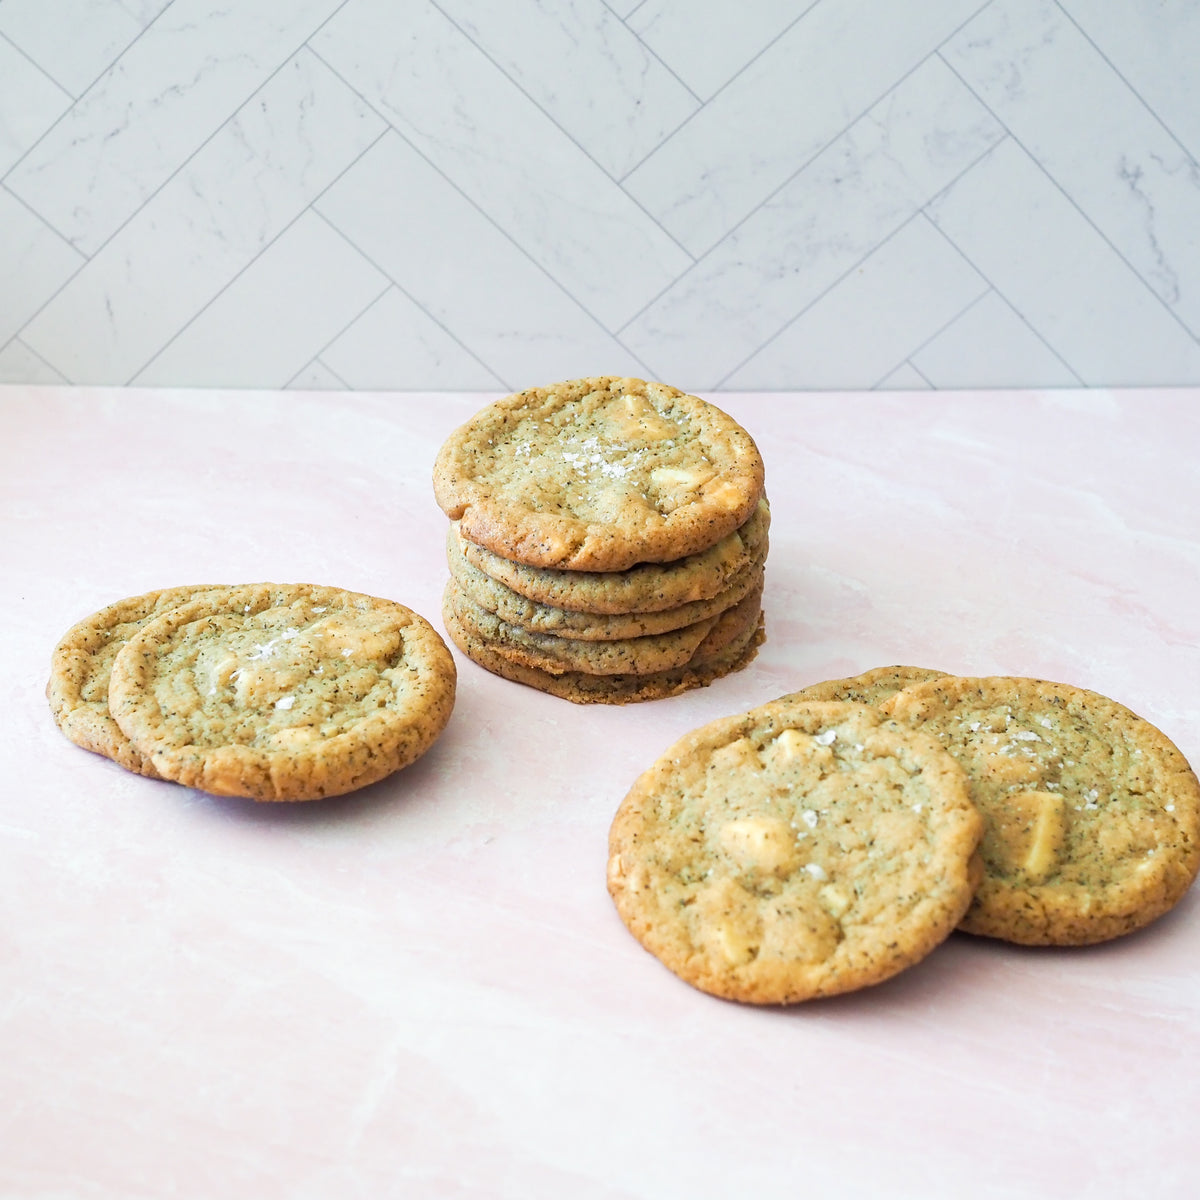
{"x":464,"y":195}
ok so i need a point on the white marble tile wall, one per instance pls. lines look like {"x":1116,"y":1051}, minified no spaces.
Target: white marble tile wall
{"x":724,"y":194}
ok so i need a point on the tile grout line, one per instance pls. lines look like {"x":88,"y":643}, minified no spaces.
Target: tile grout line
{"x":77,"y":99}
{"x":66,"y":241}
{"x":80,"y":267}
{"x":1072,"y":202}
{"x":15,"y":340}
{"x":566,"y":133}
{"x":993,"y":288}
{"x":112,"y":62}
{"x":152,"y":196}
{"x":918,"y":213}
{"x":1133,"y":91}
{"x":741,"y":70}
{"x":624,"y":20}
{"x":257,"y":257}
{"x":124,"y":49}
{"x":808,"y":162}
{"x":481,"y":211}
{"x":45,"y":75}
{"x":395,"y":283}
{"x":315,"y":361}
{"x":919,"y":372}
{"x":670,"y":70}
{"x":966,"y":308}
{"x":819,"y":297}
{"x":388,"y":285}
{"x":241,"y":104}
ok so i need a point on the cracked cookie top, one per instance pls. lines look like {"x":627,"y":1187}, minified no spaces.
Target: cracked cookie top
{"x":598,"y":474}
{"x":1093,"y":814}
{"x":282,"y":692}
{"x":81,"y":665}
{"x":801,"y":849}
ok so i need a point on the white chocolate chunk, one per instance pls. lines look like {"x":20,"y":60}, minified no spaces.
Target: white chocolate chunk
{"x":675,"y":480}
{"x":1049,"y":832}
{"x":729,"y":924}
{"x":763,"y":844}
{"x":1035,"y":829}
{"x":726,"y":494}
{"x":736,"y":756}
{"x":789,"y":744}
{"x":291,"y":738}
{"x":636,"y":418}
{"x":365,"y":644}
{"x":258,"y":684}
{"x":835,"y":898}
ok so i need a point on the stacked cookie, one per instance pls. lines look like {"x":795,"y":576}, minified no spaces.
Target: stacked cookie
{"x":269,"y":691}
{"x":607,"y":542}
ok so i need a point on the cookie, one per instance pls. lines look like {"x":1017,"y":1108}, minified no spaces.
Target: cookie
{"x":282,"y":692}
{"x":1093,"y":815}
{"x":730,"y":646}
{"x":80,"y":667}
{"x":514,"y":609}
{"x":801,"y":849}
{"x":871,"y":687}
{"x":598,"y":475}
{"x":635,"y":655}
{"x":647,"y":587}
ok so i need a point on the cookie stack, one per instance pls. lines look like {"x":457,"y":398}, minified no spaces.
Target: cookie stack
{"x":607,"y":540}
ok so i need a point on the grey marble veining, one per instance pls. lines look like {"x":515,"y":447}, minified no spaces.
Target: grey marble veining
{"x":456,"y":195}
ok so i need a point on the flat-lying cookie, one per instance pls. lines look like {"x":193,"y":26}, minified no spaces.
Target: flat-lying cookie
{"x":1093,"y":815}
{"x":514,"y":609}
{"x":730,"y":645}
{"x":598,"y":475}
{"x":80,"y":667}
{"x":798,"y":850}
{"x":871,"y":687}
{"x":647,"y":587}
{"x":282,"y":692}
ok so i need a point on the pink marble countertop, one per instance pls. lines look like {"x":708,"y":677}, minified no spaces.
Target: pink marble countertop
{"x":423,"y":990}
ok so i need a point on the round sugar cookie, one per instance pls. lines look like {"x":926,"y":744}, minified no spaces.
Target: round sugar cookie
{"x":801,"y":849}
{"x":871,"y":687}
{"x":598,"y":474}
{"x":80,"y":666}
{"x":283,"y":691}
{"x":647,"y":587}
{"x":1093,"y":814}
